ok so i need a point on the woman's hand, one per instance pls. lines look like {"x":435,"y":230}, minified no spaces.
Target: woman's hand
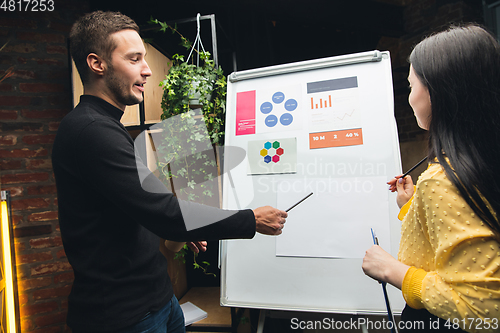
{"x":381,"y":266}
{"x":404,"y":186}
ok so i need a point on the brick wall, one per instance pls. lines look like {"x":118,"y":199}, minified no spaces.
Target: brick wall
{"x":421,"y":17}
{"x":32,"y":103}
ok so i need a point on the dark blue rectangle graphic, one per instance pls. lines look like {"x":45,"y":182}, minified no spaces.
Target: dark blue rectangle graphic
{"x":335,"y":84}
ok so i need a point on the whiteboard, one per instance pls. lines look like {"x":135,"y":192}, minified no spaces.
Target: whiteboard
{"x":334,"y":120}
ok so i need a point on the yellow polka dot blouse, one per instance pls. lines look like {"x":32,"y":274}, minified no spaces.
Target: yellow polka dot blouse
{"x":455,"y":256}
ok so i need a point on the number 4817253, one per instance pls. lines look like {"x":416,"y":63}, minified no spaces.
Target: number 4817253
{"x":27,"y":5}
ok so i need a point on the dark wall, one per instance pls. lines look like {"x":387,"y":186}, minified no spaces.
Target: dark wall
{"x":421,"y":18}
{"x":264,"y":33}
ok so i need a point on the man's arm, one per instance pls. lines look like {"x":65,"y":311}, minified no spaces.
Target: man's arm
{"x":107,"y":161}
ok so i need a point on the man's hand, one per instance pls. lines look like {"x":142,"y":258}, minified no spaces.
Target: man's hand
{"x":196,"y":247}
{"x":269,"y":220}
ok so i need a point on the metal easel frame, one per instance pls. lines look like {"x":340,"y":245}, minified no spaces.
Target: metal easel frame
{"x":213,"y":29}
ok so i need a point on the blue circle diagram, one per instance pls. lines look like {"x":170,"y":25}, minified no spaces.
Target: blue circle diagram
{"x":290,"y":104}
{"x":278,"y":97}
{"x":286,"y":119}
{"x":271,"y":121}
{"x":266,"y":107}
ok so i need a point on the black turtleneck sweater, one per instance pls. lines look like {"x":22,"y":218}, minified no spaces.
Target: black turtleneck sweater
{"x":111,"y":226}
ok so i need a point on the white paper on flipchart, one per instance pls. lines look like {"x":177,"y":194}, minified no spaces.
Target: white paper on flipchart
{"x":342,"y":211}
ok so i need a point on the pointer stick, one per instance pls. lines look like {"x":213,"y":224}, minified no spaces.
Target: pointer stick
{"x":307,"y":196}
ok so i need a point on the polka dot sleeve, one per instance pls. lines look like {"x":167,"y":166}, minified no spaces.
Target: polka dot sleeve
{"x":459,"y":253}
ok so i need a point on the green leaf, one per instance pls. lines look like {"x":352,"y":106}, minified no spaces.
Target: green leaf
{"x":164,"y":26}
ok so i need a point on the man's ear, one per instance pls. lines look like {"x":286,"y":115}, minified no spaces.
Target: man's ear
{"x":96,"y":64}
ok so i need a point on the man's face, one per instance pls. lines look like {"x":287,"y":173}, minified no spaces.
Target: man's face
{"x":127,"y":71}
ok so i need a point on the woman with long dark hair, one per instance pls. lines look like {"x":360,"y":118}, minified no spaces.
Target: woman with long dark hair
{"x":448,"y":264}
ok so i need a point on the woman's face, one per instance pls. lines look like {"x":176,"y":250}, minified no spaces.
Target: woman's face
{"x":420,"y":100}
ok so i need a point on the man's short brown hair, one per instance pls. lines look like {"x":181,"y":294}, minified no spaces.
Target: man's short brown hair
{"x":91,"y":34}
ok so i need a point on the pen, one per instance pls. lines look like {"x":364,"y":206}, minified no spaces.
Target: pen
{"x":307,"y":196}
{"x":414,"y":167}
{"x":384,"y":288}
{"x":375,"y":239}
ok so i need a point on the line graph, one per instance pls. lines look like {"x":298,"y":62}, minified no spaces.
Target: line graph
{"x":346,"y":114}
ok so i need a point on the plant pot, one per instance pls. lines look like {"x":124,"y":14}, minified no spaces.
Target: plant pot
{"x":195,"y":100}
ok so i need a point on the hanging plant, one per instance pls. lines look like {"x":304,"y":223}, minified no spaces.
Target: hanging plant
{"x":188,"y":86}
{"x":188,"y":170}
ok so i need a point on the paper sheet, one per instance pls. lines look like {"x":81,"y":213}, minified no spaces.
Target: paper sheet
{"x":341,"y":210}
{"x":192,"y":313}
{"x":272,"y":156}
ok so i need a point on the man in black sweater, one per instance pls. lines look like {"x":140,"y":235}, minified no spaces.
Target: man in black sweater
{"x":111,"y":226}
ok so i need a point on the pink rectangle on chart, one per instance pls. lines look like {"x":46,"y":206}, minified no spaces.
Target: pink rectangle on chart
{"x":245,"y":112}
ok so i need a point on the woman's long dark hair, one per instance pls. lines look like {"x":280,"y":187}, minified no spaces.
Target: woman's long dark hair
{"x":461,"y":69}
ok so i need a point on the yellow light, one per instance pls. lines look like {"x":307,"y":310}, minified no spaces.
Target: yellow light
{"x":9,"y":279}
